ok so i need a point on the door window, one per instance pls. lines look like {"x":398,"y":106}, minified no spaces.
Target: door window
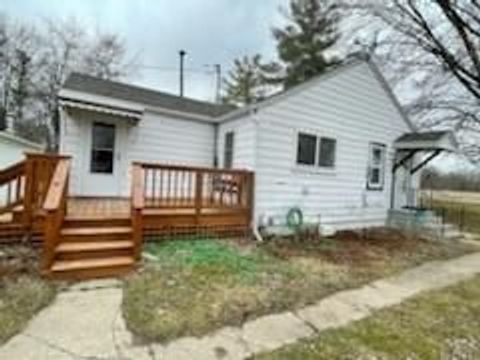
{"x":228,"y":150}
{"x":103,"y":148}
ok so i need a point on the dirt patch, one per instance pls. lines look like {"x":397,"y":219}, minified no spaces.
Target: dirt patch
{"x":351,"y":247}
{"x":18,"y":260}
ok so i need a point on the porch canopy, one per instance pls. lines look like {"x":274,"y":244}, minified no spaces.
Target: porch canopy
{"x":102,"y":108}
{"x":431,"y":143}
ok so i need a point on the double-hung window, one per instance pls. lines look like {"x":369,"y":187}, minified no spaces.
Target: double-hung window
{"x":103,"y":148}
{"x":376,"y":166}
{"x":316,"y":151}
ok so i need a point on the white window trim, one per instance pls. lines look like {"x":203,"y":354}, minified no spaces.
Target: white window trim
{"x":315,"y":168}
{"x":382,"y":166}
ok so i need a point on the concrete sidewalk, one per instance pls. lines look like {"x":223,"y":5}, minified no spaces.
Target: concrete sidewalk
{"x":85,"y":322}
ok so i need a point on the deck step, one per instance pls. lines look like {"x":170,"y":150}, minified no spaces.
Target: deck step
{"x":92,"y":264}
{"x":95,"y":231}
{"x":76,"y":222}
{"x":66,"y":247}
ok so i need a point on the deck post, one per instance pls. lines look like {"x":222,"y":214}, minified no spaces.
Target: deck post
{"x":198,"y":196}
{"x":28,"y":194}
{"x":137,"y":205}
{"x":251,"y":196}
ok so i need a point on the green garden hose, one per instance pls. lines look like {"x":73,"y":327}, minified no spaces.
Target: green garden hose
{"x":294,"y":218}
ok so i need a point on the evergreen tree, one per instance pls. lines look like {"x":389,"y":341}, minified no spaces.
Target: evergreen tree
{"x":303,"y":43}
{"x":244,"y":81}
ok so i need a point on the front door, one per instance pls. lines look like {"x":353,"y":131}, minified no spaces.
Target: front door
{"x":104,"y":166}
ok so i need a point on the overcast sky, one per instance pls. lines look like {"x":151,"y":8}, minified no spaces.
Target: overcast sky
{"x":211,"y":31}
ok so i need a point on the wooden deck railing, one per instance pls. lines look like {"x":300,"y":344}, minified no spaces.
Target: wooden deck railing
{"x":183,"y":198}
{"x":181,"y":187}
{"x":39,"y":171}
{"x":55,"y":207}
{"x":12,"y":187}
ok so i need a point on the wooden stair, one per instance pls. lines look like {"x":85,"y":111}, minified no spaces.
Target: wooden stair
{"x":93,"y":248}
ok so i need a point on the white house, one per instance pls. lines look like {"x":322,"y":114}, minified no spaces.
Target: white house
{"x":13,"y":148}
{"x":327,"y":146}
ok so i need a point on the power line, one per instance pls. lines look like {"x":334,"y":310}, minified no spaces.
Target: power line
{"x":206,"y":70}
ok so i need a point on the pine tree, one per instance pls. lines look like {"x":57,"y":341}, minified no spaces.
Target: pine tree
{"x":244,"y":81}
{"x":303,"y":43}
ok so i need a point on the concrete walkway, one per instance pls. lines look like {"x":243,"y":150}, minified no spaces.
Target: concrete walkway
{"x":85,"y":322}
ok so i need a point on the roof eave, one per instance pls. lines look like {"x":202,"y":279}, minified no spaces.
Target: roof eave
{"x":68,"y":94}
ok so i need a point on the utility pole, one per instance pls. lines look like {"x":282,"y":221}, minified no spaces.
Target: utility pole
{"x":218,"y":74}
{"x":182,"y":54}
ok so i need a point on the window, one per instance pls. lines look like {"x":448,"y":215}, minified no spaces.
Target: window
{"x":376,"y":167}
{"x":228,"y":150}
{"x":313,"y":150}
{"x":307,"y":145}
{"x":103,"y":148}
{"x":326,"y":153}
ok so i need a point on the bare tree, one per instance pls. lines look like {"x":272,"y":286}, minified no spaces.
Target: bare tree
{"x":66,"y":47}
{"x":18,"y":43}
{"x":431,"y":51}
{"x":106,"y":57}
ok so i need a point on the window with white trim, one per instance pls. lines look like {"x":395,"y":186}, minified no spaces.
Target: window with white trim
{"x":326,"y":152}
{"x":376,"y":166}
{"x":313,"y":150}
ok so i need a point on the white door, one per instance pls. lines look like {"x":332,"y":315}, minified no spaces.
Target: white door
{"x":104,"y":159}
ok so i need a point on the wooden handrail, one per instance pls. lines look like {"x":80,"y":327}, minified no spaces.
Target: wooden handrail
{"x":57,"y":186}
{"x":192,"y":168}
{"x":12,"y":179}
{"x":12,"y":172}
{"x":55,"y":205}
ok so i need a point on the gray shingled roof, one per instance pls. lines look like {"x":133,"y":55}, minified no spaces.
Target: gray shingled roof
{"x":117,"y":90}
{"x":423,"y":136}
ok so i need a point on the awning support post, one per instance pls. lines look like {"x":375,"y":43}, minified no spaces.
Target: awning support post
{"x":407,"y":157}
{"x":426,"y":161}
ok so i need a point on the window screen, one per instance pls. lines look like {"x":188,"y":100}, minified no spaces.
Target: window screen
{"x":103,"y":148}
{"x":307,"y":145}
{"x":228,"y":150}
{"x":326,"y":156}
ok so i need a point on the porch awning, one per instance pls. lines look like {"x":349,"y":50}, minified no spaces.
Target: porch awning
{"x":427,"y":141}
{"x":432,"y":142}
{"x":111,"y":110}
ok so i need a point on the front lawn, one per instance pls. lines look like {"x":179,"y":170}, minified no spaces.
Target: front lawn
{"x":196,"y":286}
{"x":443,"y":324}
{"x":22,"y":292}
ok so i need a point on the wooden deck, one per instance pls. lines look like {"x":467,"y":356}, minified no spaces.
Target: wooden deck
{"x":98,"y":208}
{"x":92,"y":237}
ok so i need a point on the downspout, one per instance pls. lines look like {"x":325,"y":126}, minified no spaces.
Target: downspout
{"x":255,"y":228}
{"x":392,"y":190}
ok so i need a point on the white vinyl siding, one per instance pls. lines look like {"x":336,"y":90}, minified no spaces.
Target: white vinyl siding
{"x":73,"y":132}
{"x":244,"y":147}
{"x":351,"y":107}
{"x":155,"y":138}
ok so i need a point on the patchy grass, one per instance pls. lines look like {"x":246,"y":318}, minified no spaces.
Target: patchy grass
{"x":20,"y":299}
{"x":442,"y":324}
{"x":22,"y":292}
{"x":195,"y":287}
